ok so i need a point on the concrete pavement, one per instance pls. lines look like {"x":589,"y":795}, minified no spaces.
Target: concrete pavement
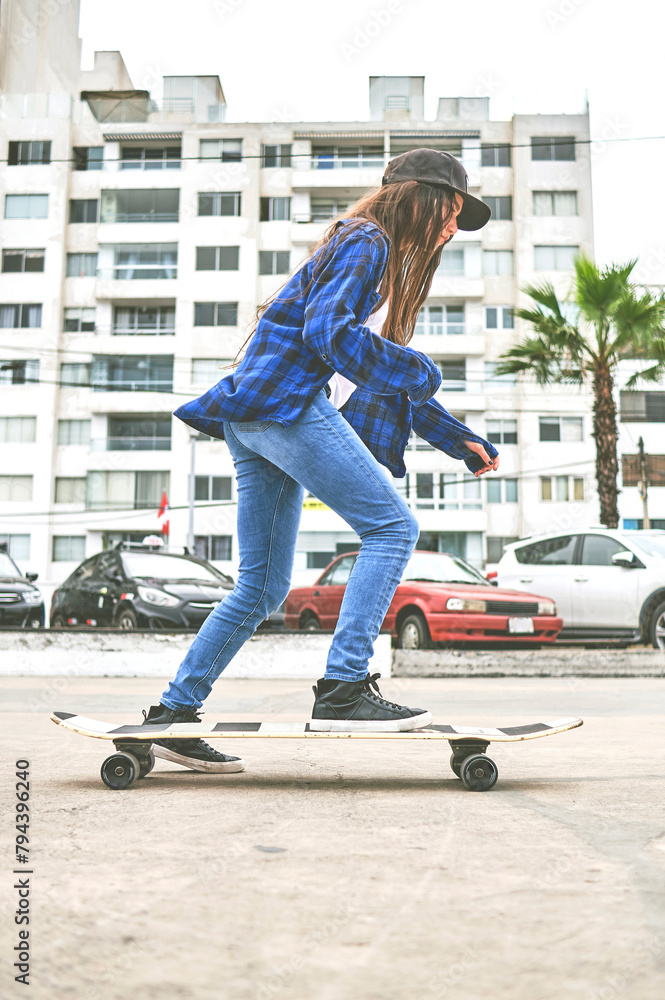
{"x":356,"y":870}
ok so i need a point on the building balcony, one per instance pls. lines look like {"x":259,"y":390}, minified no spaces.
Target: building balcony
{"x":114,"y":283}
{"x":131,"y":444}
{"x":470,"y":341}
{"x":338,"y":173}
{"x":457,"y":286}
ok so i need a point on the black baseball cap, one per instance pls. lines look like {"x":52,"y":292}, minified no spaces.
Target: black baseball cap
{"x":434,"y":166}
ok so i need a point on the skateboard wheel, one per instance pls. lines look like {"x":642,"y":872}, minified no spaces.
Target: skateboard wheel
{"x":120,"y":770}
{"x":478,"y":772}
{"x":146,"y":763}
{"x":456,"y":765}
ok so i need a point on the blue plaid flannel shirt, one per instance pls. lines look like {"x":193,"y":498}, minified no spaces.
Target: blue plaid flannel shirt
{"x":303,"y":338}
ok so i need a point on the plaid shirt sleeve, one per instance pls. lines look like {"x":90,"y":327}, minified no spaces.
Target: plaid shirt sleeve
{"x":332,"y":330}
{"x":433,"y":423}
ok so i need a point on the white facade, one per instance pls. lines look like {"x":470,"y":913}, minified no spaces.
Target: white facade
{"x":82,"y":475}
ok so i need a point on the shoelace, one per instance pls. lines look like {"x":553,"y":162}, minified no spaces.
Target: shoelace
{"x":372,"y":689}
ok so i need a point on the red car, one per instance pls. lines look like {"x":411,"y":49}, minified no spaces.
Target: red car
{"x":439,"y":599}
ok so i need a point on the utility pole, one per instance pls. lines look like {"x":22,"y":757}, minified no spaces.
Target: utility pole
{"x":643,"y":484}
{"x":192,"y":471}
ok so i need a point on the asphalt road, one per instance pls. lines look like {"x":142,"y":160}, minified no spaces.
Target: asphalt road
{"x":345,"y":870}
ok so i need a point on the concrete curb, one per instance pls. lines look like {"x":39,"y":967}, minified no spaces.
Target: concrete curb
{"x":556,"y":662}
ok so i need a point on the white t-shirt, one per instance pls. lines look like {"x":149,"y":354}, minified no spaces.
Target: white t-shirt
{"x":340,"y":387}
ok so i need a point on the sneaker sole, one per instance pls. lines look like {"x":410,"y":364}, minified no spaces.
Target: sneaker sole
{"x":371,"y":726}
{"x":198,"y":765}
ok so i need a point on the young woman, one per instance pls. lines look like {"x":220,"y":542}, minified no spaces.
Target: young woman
{"x":334,"y":336}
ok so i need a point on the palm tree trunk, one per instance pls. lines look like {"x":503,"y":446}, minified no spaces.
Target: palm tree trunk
{"x":605,"y":433}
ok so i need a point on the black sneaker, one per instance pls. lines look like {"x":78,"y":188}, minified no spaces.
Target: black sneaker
{"x":357,"y":706}
{"x":196,"y":754}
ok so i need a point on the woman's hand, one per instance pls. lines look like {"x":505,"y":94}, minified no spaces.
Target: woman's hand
{"x":491,"y":464}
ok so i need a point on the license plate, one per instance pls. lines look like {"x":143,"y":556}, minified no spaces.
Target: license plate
{"x":520,"y":625}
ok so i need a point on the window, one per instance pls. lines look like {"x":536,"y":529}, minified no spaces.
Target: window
{"x":561,"y":428}
{"x":499,"y":318}
{"x":276,"y":155}
{"x":26,"y":206}
{"x":438,"y":320}
{"x":275,"y":209}
{"x":561,"y":488}
{"x":19,"y":430}
{"x":552,"y":147}
{"x":141,"y":205}
{"x":209,"y":371}
{"x":654,"y":469}
{"x":339,"y":574}
{"x":138,"y":490}
{"x":597,"y":550}
{"x":143,"y":320}
{"x":16,"y":546}
{"x":497,"y":262}
{"x":331,"y":157}
{"x":15,"y":489}
{"x":226,"y":150}
{"x":148,"y":158}
{"x":496,"y":545}
{"x":555,"y":203}
{"x":88,"y":157}
{"x":325,"y":209}
{"x":212,"y":487}
{"x":502,"y":491}
{"x":29,"y":152}
{"x":554,"y":258}
{"x":216,"y":548}
{"x":81,"y":265}
{"x":83,"y":210}
{"x":642,"y":406}
{"x":143,"y":432}
{"x":495,"y":154}
{"x":17,"y":261}
{"x":452,"y":491}
{"x":274,"y":261}
{"x":132,"y":373}
{"x":453,"y":374}
{"x":69,"y":489}
{"x":549,"y":552}
{"x":217,"y":258}
{"x":18,"y":372}
{"x":493,"y":380}
{"x":501,"y":207}
{"x":215,"y":314}
{"x":73,"y":431}
{"x":79,"y":319}
{"x":452,"y":261}
{"x":135,"y":261}
{"x":74,"y":373}
{"x":68,"y":548}
{"x":219,"y":203}
{"x":502,"y":431}
{"x":397,"y":102}
{"x":19,"y":316}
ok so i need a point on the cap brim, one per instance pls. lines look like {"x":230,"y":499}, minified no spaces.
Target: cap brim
{"x":475,"y":213}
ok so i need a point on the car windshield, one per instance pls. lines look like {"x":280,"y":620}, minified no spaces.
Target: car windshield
{"x":652,"y":545}
{"x":8,"y":568}
{"x":439,"y":567}
{"x":150,"y":566}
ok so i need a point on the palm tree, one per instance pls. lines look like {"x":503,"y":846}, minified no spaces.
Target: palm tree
{"x":614,"y":322}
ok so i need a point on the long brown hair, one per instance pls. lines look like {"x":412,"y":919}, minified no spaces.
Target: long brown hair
{"x":412,"y":215}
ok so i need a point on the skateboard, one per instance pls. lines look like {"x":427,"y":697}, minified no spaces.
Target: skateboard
{"x":135,"y":757}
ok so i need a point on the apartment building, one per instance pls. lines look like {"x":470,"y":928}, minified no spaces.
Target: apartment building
{"x":138,"y":237}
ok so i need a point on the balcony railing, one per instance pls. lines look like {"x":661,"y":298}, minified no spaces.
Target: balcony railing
{"x":134,"y":272}
{"x":325,"y":161}
{"x":134,"y":385}
{"x":131,"y":444}
{"x":144,"y":217}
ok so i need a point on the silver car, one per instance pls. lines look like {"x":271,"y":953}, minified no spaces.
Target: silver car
{"x":607,"y":583}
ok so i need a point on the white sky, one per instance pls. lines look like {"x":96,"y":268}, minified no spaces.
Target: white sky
{"x":303,"y":60}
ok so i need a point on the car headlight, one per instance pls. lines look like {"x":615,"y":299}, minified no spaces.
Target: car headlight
{"x":158,"y":597}
{"x":464,"y":604}
{"x":546,"y":608}
{"x":33,"y":597}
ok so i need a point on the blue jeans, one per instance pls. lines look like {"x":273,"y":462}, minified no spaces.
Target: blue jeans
{"x":319,"y":452}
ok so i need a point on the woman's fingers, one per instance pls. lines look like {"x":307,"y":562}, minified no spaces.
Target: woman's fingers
{"x":489,"y":463}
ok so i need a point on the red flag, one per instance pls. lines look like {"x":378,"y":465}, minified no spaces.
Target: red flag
{"x":164,"y":505}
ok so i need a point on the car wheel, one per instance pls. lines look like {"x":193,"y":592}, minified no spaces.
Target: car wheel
{"x":58,"y":621}
{"x":657,"y":627}
{"x":413,"y":632}
{"x":127,"y":620}
{"x":309,"y":622}
{"x":34,"y":623}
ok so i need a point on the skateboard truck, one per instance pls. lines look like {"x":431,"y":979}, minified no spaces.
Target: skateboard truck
{"x":470,"y":763}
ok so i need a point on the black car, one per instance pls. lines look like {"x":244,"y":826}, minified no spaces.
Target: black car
{"x":21,"y":603}
{"x":139,"y":588}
